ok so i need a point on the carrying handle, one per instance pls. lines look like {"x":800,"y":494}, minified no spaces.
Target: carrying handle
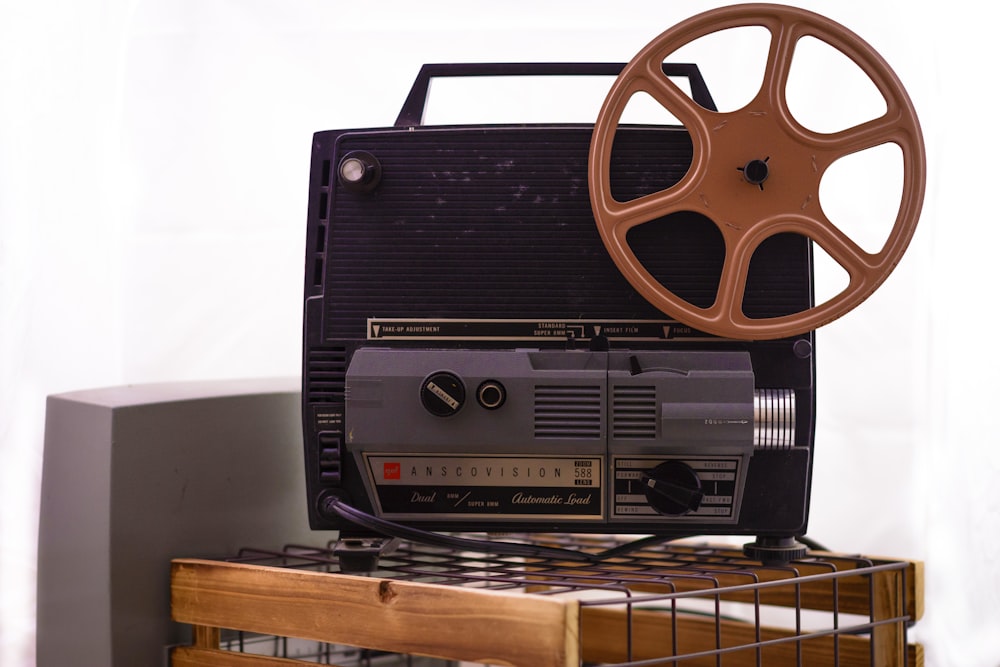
{"x":412,"y":113}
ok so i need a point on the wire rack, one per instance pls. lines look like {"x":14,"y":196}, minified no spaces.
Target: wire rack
{"x":641,"y":604}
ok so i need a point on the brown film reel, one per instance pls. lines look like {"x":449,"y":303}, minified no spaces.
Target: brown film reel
{"x":763,"y":135}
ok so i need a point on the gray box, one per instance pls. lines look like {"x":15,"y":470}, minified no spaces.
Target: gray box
{"x":134,"y":476}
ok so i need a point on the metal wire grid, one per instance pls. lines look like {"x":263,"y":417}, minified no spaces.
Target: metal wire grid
{"x":304,"y":651}
{"x":714,"y":585}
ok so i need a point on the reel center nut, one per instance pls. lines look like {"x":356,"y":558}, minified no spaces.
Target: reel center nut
{"x":755,"y":172}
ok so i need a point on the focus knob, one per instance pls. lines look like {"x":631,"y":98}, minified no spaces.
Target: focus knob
{"x":672,"y":488}
{"x":443,"y":394}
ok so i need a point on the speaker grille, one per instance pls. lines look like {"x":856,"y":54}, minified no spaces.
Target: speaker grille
{"x":633,"y":411}
{"x":496,"y":222}
{"x":568,"y":412}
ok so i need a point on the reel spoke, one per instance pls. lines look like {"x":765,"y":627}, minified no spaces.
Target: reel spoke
{"x":861,"y":266}
{"x":671,"y":97}
{"x":647,"y":208}
{"x":779,"y":62}
{"x":870,"y":134}
{"x":732,"y":285}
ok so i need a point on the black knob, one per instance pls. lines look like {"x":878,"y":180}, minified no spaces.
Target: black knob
{"x":359,"y":171}
{"x":672,"y":488}
{"x":443,"y":394}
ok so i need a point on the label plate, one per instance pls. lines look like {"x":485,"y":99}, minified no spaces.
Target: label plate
{"x":721,"y":481}
{"x":523,"y":330}
{"x":488,"y":487}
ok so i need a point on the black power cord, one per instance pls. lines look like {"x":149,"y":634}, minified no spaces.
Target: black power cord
{"x":393,"y":529}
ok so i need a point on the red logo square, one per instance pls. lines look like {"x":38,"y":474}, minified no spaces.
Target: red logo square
{"x":391,"y":470}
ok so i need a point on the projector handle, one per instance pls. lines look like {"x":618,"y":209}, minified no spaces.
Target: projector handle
{"x":412,"y":113}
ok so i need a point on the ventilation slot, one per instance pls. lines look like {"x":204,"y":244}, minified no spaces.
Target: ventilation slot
{"x":317,"y":272}
{"x":322,"y":221}
{"x":634,"y":412}
{"x":327,"y":368}
{"x":325,"y":173}
{"x":324,"y":205}
{"x":568,"y":412}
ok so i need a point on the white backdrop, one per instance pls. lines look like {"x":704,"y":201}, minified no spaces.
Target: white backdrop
{"x":153,"y":170}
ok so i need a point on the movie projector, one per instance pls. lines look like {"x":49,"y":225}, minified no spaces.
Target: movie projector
{"x":602,"y":328}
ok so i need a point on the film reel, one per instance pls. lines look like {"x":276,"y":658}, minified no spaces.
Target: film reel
{"x":761,"y":138}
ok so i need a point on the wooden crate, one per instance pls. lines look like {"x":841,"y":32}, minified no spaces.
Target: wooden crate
{"x":681,"y":604}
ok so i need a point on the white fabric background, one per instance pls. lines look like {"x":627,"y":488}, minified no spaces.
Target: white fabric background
{"x":153,"y":170}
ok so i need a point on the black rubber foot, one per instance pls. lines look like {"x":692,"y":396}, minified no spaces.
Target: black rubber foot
{"x":775,"y":550}
{"x":361,"y":554}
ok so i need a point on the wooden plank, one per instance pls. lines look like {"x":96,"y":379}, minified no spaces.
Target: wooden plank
{"x":915,"y":591}
{"x":604,"y":638}
{"x":889,"y":639}
{"x":602,"y":642}
{"x":189,"y":656}
{"x":206,"y":637}
{"x":403,"y":617}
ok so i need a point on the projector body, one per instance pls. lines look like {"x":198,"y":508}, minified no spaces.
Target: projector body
{"x":474,"y":360}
